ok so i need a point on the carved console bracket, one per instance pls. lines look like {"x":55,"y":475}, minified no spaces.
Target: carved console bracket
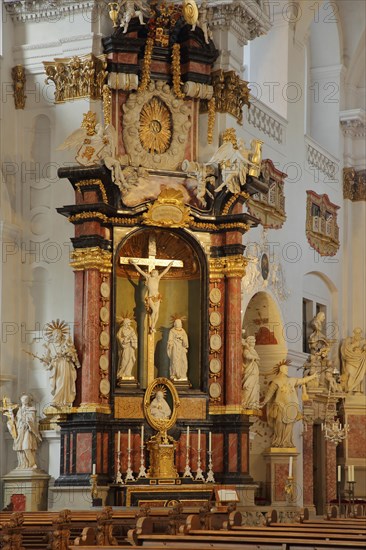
{"x":230,"y":93}
{"x":354,"y":184}
{"x":18,"y":76}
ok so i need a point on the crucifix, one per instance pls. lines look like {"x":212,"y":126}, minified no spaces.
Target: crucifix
{"x":153,"y":297}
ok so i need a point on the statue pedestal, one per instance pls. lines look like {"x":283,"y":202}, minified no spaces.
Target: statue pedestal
{"x":281,"y":489}
{"x":181,"y":384}
{"x":31,"y":484}
{"x":354,"y":414}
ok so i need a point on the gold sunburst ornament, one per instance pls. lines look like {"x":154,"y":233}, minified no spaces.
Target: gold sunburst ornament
{"x":155,"y":126}
{"x":55,"y":327}
{"x":190,"y":11}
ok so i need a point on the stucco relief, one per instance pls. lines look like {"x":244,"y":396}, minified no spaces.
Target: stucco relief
{"x":140,"y":122}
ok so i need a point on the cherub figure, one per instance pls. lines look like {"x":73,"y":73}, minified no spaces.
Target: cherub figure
{"x":96,"y":143}
{"x":131,"y":12}
{"x":202,"y":22}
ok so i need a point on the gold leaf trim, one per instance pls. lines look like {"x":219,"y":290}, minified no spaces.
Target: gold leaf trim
{"x":94,"y":408}
{"x":168,"y":210}
{"x":229,"y":266}
{"x":91,"y":258}
{"x":88,"y":183}
{"x":88,"y":216}
{"x":233,"y":200}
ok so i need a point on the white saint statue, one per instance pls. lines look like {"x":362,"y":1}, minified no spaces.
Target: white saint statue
{"x":177,"y":351}
{"x":318,"y":340}
{"x":353,"y":352}
{"x":153,"y":297}
{"x":62,"y":361}
{"x":283,"y":408}
{"x":250,"y":379}
{"x":127,"y":344}
{"x":23,"y":427}
{"x":159,"y":408}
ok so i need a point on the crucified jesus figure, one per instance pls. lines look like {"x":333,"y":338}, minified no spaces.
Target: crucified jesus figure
{"x":153,"y":297}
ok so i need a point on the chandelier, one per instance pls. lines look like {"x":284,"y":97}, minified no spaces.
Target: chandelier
{"x":332,"y":427}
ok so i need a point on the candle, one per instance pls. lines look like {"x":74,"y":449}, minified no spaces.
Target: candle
{"x":119,"y":442}
{"x":187,"y":436}
{"x":352,"y":473}
{"x":142,"y":435}
{"x":199,"y":441}
{"x":129,"y":438}
{"x":349,"y":473}
{"x":290,"y":467}
{"x":94,"y":469}
{"x":209,"y":442}
{"x":339,"y":476}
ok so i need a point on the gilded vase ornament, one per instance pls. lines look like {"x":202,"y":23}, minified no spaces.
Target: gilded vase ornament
{"x":155,"y":126}
{"x":190,"y":11}
{"x":113,"y":12}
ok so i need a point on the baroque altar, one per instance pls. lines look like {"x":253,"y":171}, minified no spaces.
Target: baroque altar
{"x":158,"y":262}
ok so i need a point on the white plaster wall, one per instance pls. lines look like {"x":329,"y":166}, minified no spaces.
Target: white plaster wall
{"x":36,"y":282}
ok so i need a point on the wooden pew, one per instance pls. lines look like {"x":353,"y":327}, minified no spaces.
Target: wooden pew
{"x":41,"y":530}
{"x":195,"y":536}
{"x":207,"y":539}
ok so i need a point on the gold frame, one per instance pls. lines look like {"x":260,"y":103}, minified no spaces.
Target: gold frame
{"x":161,"y":425}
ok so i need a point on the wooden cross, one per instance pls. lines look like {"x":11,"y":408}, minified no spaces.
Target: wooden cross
{"x":152,"y":261}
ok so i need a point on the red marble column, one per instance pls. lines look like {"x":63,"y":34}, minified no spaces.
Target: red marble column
{"x":308,"y":485}
{"x":233,"y":359}
{"x":330,"y":469}
{"x":91,"y":334}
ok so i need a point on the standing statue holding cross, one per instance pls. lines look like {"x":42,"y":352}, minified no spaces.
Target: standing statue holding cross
{"x":153,"y":298}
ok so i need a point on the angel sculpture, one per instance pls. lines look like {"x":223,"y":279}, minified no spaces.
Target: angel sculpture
{"x":90,"y":140}
{"x":131,"y":12}
{"x":96,"y":143}
{"x":203,"y":174}
{"x":234,"y":166}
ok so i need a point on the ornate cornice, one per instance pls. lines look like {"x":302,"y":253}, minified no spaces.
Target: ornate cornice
{"x":31,"y":10}
{"x":246,"y":20}
{"x":353,"y":123}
